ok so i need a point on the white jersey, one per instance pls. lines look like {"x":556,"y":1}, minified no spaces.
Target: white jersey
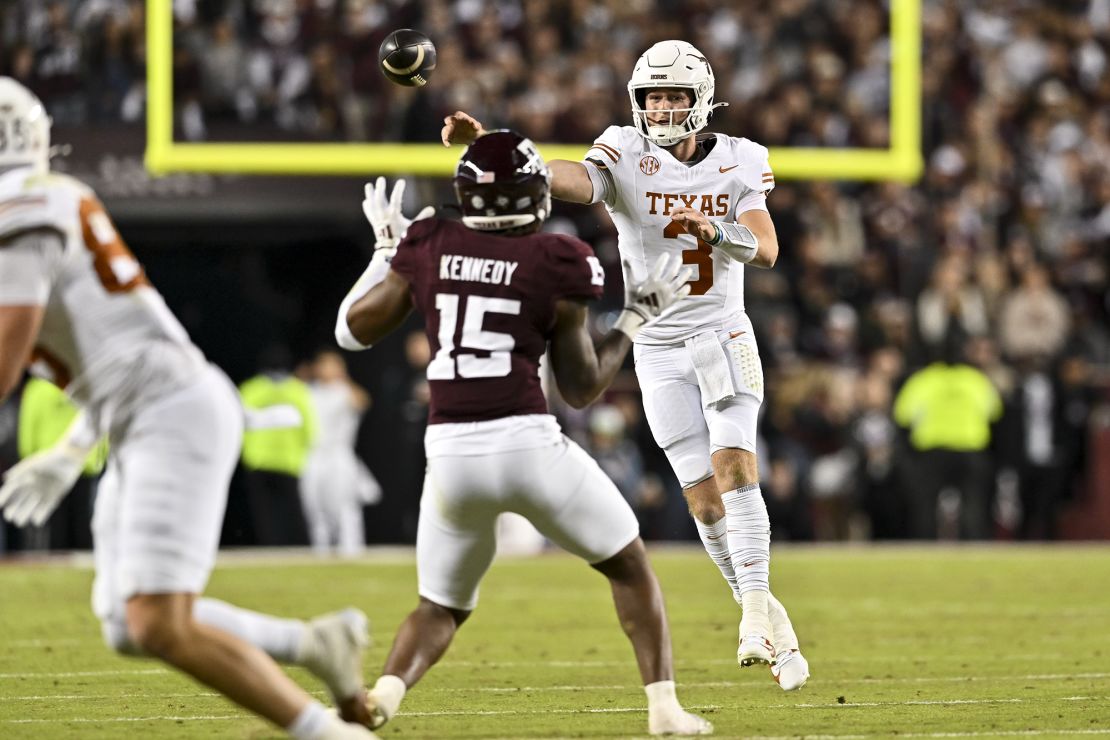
{"x":645,"y":183}
{"x":107,"y":336}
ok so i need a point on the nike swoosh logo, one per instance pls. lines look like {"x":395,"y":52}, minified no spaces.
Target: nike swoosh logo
{"x":734,"y":334}
{"x":748,"y":565}
{"x":722,"y":169}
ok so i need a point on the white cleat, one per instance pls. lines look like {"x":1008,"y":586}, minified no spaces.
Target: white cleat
{"x":791,"y":670}
{"x":678,"y":723}
{"x":755,"y":648}
{"x":333,"y":651}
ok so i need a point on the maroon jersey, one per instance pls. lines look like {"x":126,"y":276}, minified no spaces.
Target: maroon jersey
{"x":489,"y":308}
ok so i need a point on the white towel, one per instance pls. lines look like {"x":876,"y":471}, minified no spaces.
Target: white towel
{"x":712,"y":366}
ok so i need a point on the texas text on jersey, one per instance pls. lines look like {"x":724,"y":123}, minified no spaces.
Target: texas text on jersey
{"x":489,"y":303}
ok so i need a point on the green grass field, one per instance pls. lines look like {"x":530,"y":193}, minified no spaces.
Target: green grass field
{"x":915,"y":642}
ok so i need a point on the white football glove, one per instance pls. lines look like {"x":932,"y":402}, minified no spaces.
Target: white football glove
{"x":646,"y":299}
{"x":34,"y":487}
{"x":385,"y":216}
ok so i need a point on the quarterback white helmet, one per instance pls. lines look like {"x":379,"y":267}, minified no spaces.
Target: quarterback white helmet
{"x":676,"y":64}
{"x":24,"y":128}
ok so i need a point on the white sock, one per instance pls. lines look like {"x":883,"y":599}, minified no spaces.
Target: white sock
{"x":749,"y":544}
{"x":749,"y":537}
{"x":310,"y":723}
{"x":756,"y":618}
{"x":715,"y":539}
{"x":278,"y":638}
{"x":784,"y":639}
{"x":388,"y":692}
{"x":661,"y":697}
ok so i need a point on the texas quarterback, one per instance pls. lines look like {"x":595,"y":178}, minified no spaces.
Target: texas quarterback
{"x":669,"y":189}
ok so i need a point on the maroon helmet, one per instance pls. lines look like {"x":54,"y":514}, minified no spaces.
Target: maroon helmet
{"x":503,"y":184}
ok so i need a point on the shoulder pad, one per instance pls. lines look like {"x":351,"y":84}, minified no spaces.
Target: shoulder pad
{"x":38,"y":202}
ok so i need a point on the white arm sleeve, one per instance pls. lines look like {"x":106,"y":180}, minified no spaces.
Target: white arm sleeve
{"x":26,"y":267}
{"x":374,"y":274}
{"x":602,"y":180}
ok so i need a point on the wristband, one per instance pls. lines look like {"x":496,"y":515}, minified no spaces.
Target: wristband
{"x":717,"y":236}
{"x":629,"y":323}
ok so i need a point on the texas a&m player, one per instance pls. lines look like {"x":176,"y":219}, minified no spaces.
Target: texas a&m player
{"x":495,"y":293}
{"x":673,"y":191}
{"x":76,"y":301}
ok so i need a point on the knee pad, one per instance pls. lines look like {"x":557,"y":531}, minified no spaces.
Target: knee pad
{"x":734,"y":425}
{"x":117,"y":637}
{"x":689,"y":458}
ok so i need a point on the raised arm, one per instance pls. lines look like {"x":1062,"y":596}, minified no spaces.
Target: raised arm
{"x":379,"y":301}
{"x":381,"y":310}
{"x":584,"y":370}
{"x":569,"y":180}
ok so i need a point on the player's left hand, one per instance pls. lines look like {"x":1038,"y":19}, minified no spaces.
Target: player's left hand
{"x":34,"y":487}
{"x":385,"y":216}
{"x":694,"y":222}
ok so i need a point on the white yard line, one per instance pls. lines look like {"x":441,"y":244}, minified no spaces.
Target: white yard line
{"x":605,"y":687}
{"x":84,"y":674}
{"x":994,"y":733}
{"x":52,"y":642}
{"x":164,"y":718}
{"x":460,"y":713}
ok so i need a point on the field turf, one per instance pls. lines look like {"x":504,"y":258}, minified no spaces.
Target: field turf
{"x":913,"y":642}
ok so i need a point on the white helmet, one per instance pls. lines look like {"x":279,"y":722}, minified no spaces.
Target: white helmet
{"x":24,"y":128}
{"x":672,"y":64}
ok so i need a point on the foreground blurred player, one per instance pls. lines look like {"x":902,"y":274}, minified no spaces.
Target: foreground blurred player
{"x":698,"y":366}
{"x":75,"y":301}
{"x":494,"y":293}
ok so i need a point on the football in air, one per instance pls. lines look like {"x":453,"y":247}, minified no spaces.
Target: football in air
{"x":407,"y":57}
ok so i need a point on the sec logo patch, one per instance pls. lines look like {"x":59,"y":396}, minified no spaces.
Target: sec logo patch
{"x":649,"y":165}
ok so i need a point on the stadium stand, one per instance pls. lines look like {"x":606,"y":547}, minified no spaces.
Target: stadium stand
{"x":1001,"y":247}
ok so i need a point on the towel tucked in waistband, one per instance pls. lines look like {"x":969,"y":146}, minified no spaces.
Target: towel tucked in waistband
{"x":712,"y":367}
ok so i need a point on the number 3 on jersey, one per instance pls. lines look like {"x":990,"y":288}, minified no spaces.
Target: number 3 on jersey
{"x":701,"y":256}
{"x":498,"y":344}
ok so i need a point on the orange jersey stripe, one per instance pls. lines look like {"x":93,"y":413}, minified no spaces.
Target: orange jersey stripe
{"x":613,"y":153}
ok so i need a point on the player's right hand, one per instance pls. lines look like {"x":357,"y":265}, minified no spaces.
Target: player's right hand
{"x":646,"y":298}
{"x":34,"y":487}
{"x":460,"y":128}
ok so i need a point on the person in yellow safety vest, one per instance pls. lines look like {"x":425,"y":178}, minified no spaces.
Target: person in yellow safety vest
{"x":281,"y":428}
{"x":948,"y":408}
{"x":45,"y":413}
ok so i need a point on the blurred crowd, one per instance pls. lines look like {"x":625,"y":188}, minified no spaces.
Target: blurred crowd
{"x":994,"y":266}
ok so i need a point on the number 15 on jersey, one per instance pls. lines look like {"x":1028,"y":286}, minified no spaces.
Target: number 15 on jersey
{"x":447,"y":364}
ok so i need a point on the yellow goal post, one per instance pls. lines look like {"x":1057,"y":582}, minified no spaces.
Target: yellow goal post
{"x":901,"y":161}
